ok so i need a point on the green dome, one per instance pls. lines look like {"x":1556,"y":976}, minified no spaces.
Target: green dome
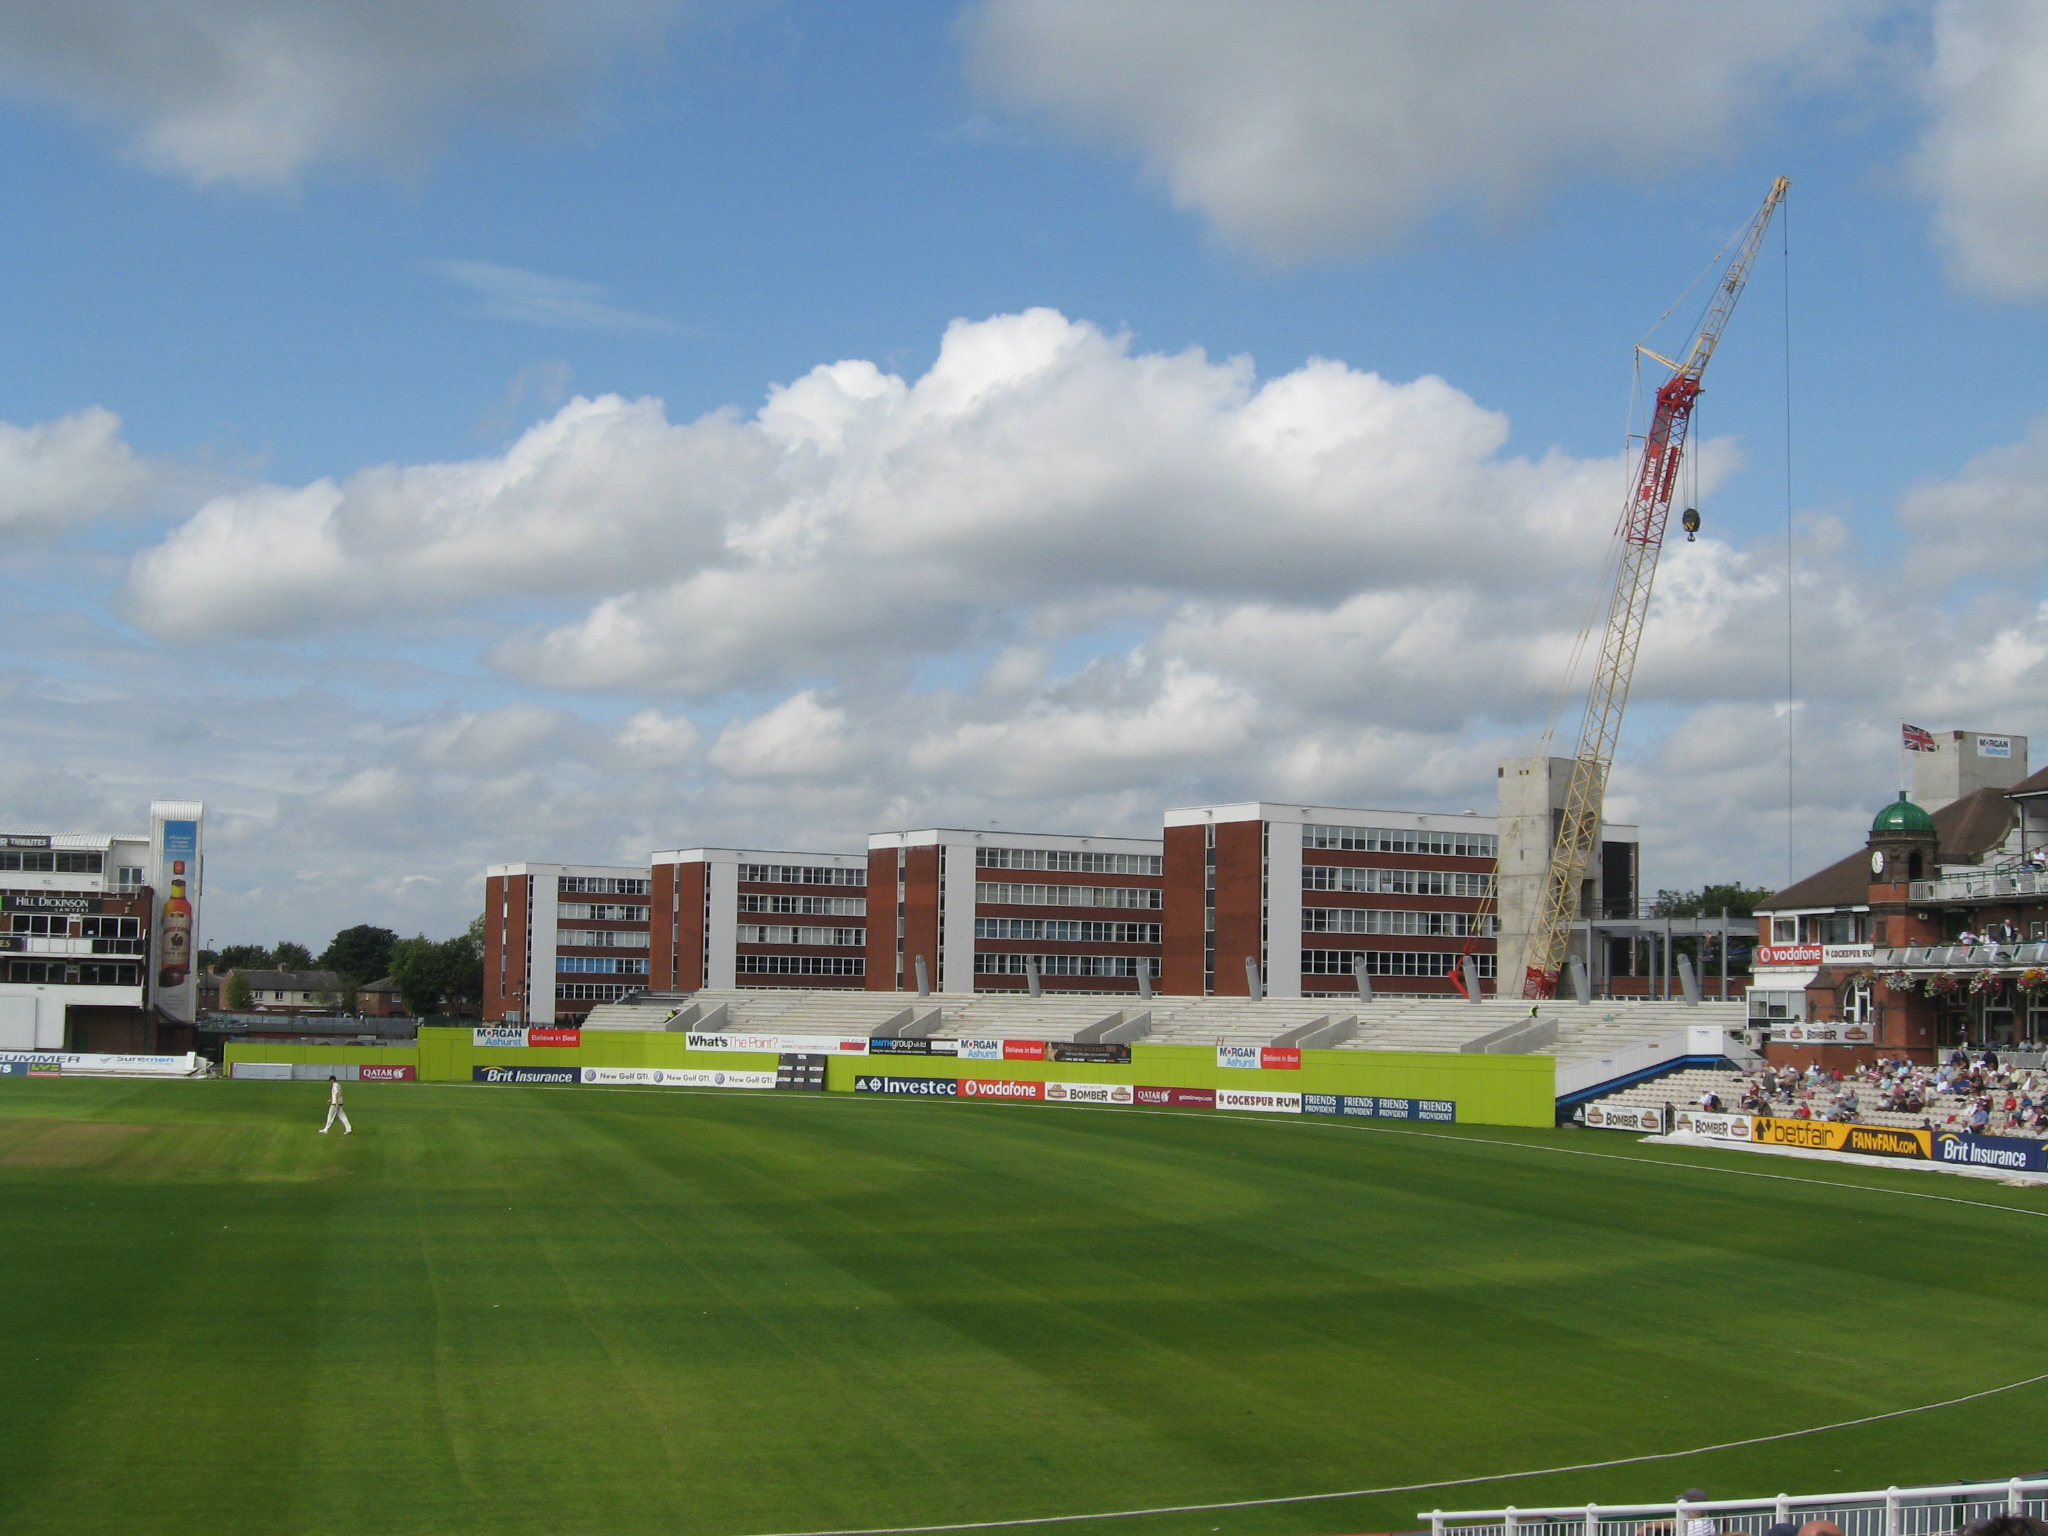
{"x":1902,"y":815}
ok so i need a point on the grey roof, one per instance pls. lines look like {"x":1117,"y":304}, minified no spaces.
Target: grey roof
{"x":1964,"y":829}
{"x":290,"y":981}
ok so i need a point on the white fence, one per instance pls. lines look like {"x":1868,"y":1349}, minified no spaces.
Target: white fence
{"x":1883,"y":1512}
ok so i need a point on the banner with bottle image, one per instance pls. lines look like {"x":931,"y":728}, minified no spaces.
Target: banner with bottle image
{"x":174,"y":933}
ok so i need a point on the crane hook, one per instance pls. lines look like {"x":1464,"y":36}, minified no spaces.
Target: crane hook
{"x":1690,"y":522}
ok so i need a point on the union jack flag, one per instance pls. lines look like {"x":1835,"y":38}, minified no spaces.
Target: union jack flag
{"x":1918,"y":740}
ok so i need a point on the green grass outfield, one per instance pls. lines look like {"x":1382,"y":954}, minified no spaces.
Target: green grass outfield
{"x":542,"y":1312}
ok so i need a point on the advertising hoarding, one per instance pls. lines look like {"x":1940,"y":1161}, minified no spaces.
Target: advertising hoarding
{"x":104,"y":1064}
{"x":1719,"y":1126}
{"x":672,"y":1077}
{"x":1180,"y":1098}
{"x":999,"y":1088}
{"x":1000,"y":1050}
{"x":498,"y":1036}
{"x":887,"y":1047}
{"x":1266,"y":1058}
{"x":1089,"y":1093}
{"x":1266,"y":1103}
{"x":782,"y":1045}
{"x":1443,"y":1111}
{"x":1646,"y":1119}
{"x":1076,"y":1052}
{"x":390,"y":1074}
{"x":523,"y":1074}
{"x":2009,"y":1152}
{"x":176,"y":878}
{"x":912,"y":1087}
{"x":1831,"y":1032}
{"x":1830,"y":1136}
{"x":545,"y":1036}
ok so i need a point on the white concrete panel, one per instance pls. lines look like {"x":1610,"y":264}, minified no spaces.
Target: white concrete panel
{"x":955,"y":972}
{"x":721,"y":921}
{"x":1283,"y":909}
{"x":540,"y":948}
{"x":18,"y":1023}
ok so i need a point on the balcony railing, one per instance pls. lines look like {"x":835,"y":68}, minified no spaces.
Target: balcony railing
{"x":1961,"y":957}
{"x":1987,"y":885}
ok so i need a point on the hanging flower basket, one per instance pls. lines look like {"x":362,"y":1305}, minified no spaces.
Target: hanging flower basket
{"x":1986,"y":982}
{"x":1944,"y":984}
{"x":1900,"y":981}
{"x":2033,"y":980}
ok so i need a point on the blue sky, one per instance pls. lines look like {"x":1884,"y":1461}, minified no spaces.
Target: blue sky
{"x":1074,"y":574}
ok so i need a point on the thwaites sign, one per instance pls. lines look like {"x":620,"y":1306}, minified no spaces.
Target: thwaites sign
{"x":178,"y":879}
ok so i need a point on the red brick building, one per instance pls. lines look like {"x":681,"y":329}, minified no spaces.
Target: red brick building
{"x":735,"y":917}
{"x":987,"y":911}
{"x":561,"y":938}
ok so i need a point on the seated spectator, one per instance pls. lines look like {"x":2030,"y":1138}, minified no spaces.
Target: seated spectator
{"x":2007,"y":1525}
{"x":1710,"y":1101}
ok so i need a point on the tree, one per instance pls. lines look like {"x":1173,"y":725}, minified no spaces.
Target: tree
{"x":240,"y":996}
{"x":1710,"y":901}
{"x":237,"y":957}
{"x":292,"y":957}
{"x":360,"y":954}
{"x":430,"y":976}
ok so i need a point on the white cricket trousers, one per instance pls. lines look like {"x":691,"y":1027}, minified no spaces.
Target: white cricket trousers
{"x":336,"y":1112}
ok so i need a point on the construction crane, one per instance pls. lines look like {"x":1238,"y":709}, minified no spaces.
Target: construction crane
{"x":1640,"y":536}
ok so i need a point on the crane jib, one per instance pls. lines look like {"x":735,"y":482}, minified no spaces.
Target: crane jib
{"x":1641,"y":537}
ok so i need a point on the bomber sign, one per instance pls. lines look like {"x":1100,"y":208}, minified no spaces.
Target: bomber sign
{"x":1610,"y":1117}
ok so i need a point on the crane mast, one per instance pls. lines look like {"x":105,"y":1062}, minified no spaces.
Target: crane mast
{"x":1641,"y":536}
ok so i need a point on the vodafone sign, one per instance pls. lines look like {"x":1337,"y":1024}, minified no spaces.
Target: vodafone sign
{"x":1788,"y":954}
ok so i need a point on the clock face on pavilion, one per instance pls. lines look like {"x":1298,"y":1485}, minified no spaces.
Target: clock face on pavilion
{"x":1877,"y":861}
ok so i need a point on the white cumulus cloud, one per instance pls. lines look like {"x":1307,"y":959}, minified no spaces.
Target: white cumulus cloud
{"x":70,"y":470}
{"x":1325,"y":127}
{"x":253,"y":91}
{"x":1985,"y":156}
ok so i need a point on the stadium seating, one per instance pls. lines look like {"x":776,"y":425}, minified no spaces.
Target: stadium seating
{"x":1585,"y":1034}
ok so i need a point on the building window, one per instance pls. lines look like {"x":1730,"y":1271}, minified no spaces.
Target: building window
{"x":1071,"y":860}
{"x":1856,"y":1007}
{"x":800,"y":874}
{"x":1147,"y":898}
{"x":1784,"y":930}
{"x":1387,"y":962}
{"x":1450,"y":925}
{"x":801,"y":965}
{"x":767,"y":933}
{"x":64,"y":863}
{"x":1056,"y":930}
{"x":598,"y":912}
{"x":805,"y":906}
{"x":1068,"y":965}
{"x":600,"y":965}
{"x":128,"y":877}
{"x":601,"y":938}
{"x":1459,"y":845}
{"x":603,"y":885}
{"x":1394,"y":882}
{"x":591,"y":991}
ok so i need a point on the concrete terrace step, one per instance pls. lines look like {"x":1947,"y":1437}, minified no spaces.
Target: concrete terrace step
{"x":1389,"y":1022}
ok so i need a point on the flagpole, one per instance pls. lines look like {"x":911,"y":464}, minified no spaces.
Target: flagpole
{"x":1902,"y":760}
